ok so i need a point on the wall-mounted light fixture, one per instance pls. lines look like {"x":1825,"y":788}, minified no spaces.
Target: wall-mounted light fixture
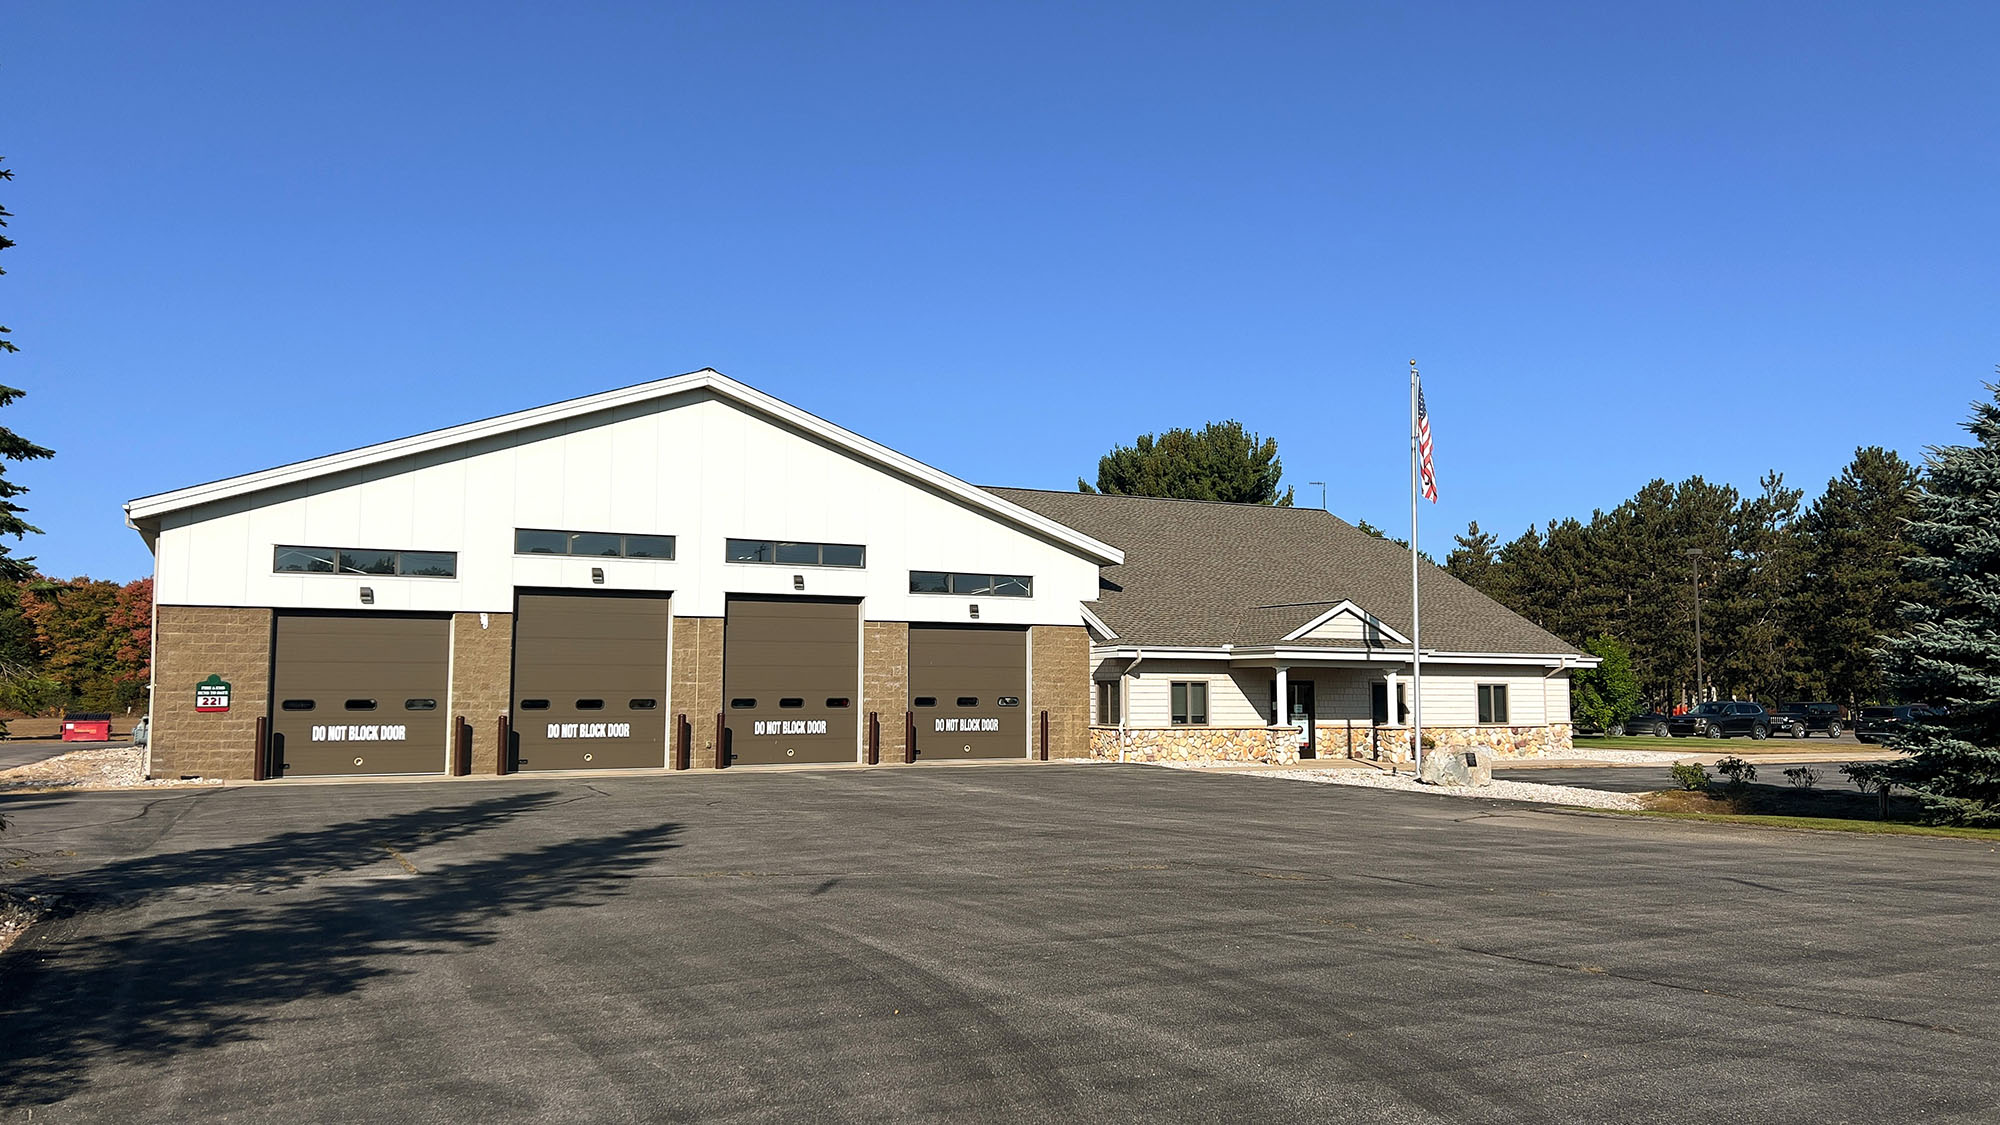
{"x":798,"y":581}
{"x":597,"y":575}
{"x":975,"y":611}
{"x":367,"y":595}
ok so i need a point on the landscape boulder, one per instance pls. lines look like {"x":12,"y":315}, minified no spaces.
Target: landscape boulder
{"x":1470,"y":767}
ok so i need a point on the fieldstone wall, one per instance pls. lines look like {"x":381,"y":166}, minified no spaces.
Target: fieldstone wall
{"x":1280,"y":745}
{"x":1196,"y":746}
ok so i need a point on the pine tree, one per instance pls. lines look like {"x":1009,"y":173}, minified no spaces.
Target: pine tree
{"x":1221,"y":462}
{"x":1854,"y":543}
{"x":1950,"y":653}
{"x":13,"y":447}
{"x":1472,"y":560}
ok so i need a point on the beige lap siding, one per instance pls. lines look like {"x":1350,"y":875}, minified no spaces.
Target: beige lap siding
{"x":1451,"y":695}
{"x":1238,"y":698}
{"x":192,"y":643}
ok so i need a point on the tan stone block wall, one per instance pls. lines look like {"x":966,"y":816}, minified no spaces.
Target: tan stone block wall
{"x":191,"y":644}
{"x":482,"y":670}
{"x":885,"y":684}
{"x":1060,"y":675}
{"x":697,"y":682}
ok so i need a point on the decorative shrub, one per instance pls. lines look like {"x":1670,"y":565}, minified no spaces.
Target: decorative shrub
{"x":1738,"y":771}
{"x":1805,"y":777}
{"x":1688,"y":775}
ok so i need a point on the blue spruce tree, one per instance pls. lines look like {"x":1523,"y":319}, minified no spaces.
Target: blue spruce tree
{"x":1950,"y":654}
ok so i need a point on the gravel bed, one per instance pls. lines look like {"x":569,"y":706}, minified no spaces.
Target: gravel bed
{"x":1498,"y":791}
{"x":1586,"y":754}
{"x":117,"y":767}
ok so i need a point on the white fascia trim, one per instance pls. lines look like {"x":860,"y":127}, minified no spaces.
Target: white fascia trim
{"x":1268,"y":653}
{"x":152,"y":507}
{"x":1156,"y":652}
{"x":1336,"y":611}
{"x":1096,"y":624}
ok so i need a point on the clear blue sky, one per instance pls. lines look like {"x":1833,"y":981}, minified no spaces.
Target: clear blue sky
{"x":1625,"y":241}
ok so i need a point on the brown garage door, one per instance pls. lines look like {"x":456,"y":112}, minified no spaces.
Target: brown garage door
{"x":590,"y":680}
{"x":790,"y":678}
{"x":968,"y":689}
{"x":360,"y":693}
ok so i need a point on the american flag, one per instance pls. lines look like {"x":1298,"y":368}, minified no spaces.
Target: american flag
{"x":1424,"y":447}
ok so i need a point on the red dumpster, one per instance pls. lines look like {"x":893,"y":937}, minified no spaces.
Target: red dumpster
{"x":86,"y":730}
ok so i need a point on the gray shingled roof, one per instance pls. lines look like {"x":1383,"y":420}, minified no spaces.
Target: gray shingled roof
{"x":1204,"y":574}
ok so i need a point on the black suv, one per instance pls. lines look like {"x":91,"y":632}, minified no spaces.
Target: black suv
{"x":1721,"y":720}
{"x":1811,"y":718}
{"x":1879,"y":724}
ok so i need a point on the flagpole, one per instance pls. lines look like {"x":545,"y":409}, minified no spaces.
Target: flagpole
{"x":1416,"y":614}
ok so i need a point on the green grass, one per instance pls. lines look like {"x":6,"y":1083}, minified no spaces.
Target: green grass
{"x":1688,"y":745}
{"x":1825,"y":824}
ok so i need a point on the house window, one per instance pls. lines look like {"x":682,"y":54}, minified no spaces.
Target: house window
{"x":594,"y":544}
{"x":795,"y":554}
{"x":354,"y":560}
{"x":981,"y":585}
{"x":1493,"y":704}
{"x":1107,"y":702}
{"x":1190,"y":703}
{"x":1379,"y":709}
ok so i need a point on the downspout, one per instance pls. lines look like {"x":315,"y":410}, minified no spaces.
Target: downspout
{"x":1125,"y":700}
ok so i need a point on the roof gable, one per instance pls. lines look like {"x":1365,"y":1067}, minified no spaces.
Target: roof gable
{"x":146,"y":509}
{"x":1346,"y":622}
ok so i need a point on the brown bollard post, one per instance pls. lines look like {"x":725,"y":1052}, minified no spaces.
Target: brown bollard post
{"x":260,"y":759}
{"x":461,"y":747}
{"x":500,"y":760}
{"x":721,"y":740}
{"x":909,"y":737}
{"x":683,"y":741}
{"x":874,"y":738}
{"x":1045,"y":736}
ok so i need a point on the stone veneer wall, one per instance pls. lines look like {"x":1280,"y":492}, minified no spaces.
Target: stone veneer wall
{"x":1196,"y":746}
{"x":697,"y":682}
{"x":885,"y":684}
{"x":191,"y":644}
{"x":482,"y":670}
{"x":1279,"y":745}
{"x":1059,"y":683}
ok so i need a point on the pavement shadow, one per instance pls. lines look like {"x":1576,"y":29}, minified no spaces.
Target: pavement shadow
{"x":186,"y":952}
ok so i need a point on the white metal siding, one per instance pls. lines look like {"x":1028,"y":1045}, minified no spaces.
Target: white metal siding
{"x":692,"y":466}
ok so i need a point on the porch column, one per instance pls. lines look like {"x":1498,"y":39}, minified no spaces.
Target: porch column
{"x":1391,"y":720}
{"x":1281,"y":706}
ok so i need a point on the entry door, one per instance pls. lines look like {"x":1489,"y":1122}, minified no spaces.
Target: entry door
{"x":590,"y":680}
{"x":1304,"y":716}
{"x":791,"y":675}
{"x":968,"y":686}
{"x":360,"y":694}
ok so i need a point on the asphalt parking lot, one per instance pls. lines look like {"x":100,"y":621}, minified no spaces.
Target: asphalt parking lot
{"x":1020,"y":943}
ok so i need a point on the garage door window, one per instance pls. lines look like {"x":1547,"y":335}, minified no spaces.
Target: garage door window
{"x":357,"y":560}
{"x":593,"y":544}
{"x":783,"y":553}
{"x":1190,"y":703}
{"x":981,"y":585}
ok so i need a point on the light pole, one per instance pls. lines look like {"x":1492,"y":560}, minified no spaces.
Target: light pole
{"x":1322,"y":492}
{"x":1694,"y":562}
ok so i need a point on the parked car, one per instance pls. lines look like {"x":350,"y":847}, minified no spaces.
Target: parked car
{"x":1722,"y":720}
{"x":1788,"y":723}
{"x":1652,"y":722}
{"x":1828,"y":719}
{"x":1879,"y":724}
